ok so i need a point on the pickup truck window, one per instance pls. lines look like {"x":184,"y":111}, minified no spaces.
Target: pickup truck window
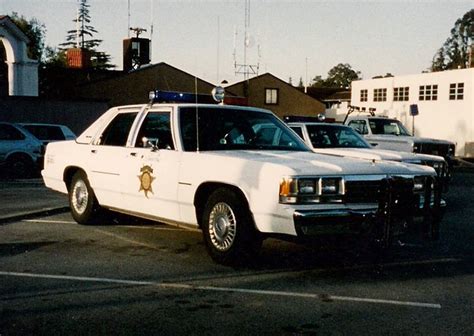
{"x":360,"y":126}
{"x":157,"y":128}
{"x":233,"y":129}
{"x":387,"y":126}
{"x":116,"y":133}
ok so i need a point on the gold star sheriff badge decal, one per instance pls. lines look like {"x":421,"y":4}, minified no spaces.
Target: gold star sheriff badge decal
{"x":146,"y":179}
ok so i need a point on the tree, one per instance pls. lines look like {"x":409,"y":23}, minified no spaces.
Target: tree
{"x":318,"y":81}
{"x":454,"y":53}
{"x":35,"y":31}
{"x":339,"y":76}
{"x":300,"y":83}
{"x":83,"y":37}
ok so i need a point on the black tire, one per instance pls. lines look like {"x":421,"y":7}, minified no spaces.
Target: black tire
{"x":82,"y":201}
{"x":228,"y":229}
{"x":20,"y":166}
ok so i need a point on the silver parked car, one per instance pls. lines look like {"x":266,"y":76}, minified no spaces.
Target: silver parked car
{"x":21,"y":153}
{"x":49,"y":132}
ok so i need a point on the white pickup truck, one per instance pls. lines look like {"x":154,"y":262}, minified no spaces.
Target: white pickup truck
{"x":389,"y":133}
{"x":209,"y":166}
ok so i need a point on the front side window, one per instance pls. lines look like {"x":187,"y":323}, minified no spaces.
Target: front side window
{"x":116,"y":133}
{"x":380,"y":95}
{"x":271,"y":96}
{"x":428,"y":92}
{"x":156,"y":128}
{"x":10,"y":133}
{"x":401,"y":93}
{"x":363,"y":95}
{"x":456,"y":91}
{"x":235,"y":129}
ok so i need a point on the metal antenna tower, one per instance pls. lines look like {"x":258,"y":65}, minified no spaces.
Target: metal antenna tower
{"x":244,"y":68}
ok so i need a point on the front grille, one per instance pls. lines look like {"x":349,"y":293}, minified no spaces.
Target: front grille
{"x":433,"y":149}
{"x":362,"y":191}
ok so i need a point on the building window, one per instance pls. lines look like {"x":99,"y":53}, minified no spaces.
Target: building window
{"x":428,"y":92}
{"x":363,"y":95}
{"x":380,"y":95}
{"x":271,"y":96}
{"x":401,"y":93}
{"x":456,"y":91}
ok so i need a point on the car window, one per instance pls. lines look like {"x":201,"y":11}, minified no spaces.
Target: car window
{"x":331,"y":136}
{"x":387,"y":126}
{"x":298,"y":130}
{"x":116,"y":133}
{"x":10,"y":133}
{"x":157,"y":129}
{"x":360,"y":126}
{"x":46,"y":132}
{"x":229,"y":129}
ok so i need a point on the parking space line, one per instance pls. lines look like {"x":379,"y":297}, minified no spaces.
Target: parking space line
{"x":322,"y":297}
{"x":48,"y":221}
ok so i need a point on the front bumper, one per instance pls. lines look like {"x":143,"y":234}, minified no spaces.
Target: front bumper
{"x":398,"y":211}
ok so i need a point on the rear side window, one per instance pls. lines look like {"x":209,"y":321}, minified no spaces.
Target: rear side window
{"x":10,"y":133}
{"x":46,"y":132}
{"x":116,"y":133}
{"x":359,"y":125}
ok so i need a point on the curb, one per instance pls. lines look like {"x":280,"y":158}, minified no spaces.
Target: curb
{"x":32,"y":214}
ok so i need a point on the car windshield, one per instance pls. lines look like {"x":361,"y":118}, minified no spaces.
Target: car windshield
{"x":235,"y":129}
{"x":334,"y":136}
{"x":387,"y":126}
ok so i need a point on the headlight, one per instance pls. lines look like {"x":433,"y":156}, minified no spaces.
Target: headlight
{"x":300,"y":190}
{"x":416,"y":147}
{"x":419,"y":184}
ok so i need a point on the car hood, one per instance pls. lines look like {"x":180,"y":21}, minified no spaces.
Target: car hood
{"x":378,"y":154}
{"x":309,"y":163}
{"x":412,"y":139}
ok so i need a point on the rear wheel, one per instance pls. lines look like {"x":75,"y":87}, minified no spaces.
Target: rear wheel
{"x":228,"y":229}
{"x":82,"y":201}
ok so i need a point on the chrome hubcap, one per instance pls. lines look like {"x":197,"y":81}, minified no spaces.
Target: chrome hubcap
{"x":80,"y":196}
{"x":222,"y":226}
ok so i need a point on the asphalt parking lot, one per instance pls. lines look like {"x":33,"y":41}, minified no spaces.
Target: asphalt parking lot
{"x":128,"y":277}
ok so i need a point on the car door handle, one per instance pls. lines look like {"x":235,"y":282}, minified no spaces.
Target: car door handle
{"x":93,"y":151}
{"x":133,"y":154}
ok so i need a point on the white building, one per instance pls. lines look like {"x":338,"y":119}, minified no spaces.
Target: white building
{"x":22,"y":71}
{"x":445,"y":102}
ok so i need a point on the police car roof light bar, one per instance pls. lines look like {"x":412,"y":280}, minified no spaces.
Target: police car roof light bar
{"x":159,"y":96}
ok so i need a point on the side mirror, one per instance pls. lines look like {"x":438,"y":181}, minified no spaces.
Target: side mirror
{"x":150,"y":143}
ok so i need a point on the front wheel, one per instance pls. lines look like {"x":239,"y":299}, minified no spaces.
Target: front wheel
{"x":228,"y":228}
{"x":82,"y":201}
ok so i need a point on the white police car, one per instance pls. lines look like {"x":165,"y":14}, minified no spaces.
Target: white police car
{"x":207,"y":166}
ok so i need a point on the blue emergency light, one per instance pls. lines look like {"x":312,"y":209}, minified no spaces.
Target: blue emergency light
{"x":159,"y":96}
{"x":218,"y":96}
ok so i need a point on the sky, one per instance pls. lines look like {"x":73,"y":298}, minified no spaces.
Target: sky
{"x":297,"y":39}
